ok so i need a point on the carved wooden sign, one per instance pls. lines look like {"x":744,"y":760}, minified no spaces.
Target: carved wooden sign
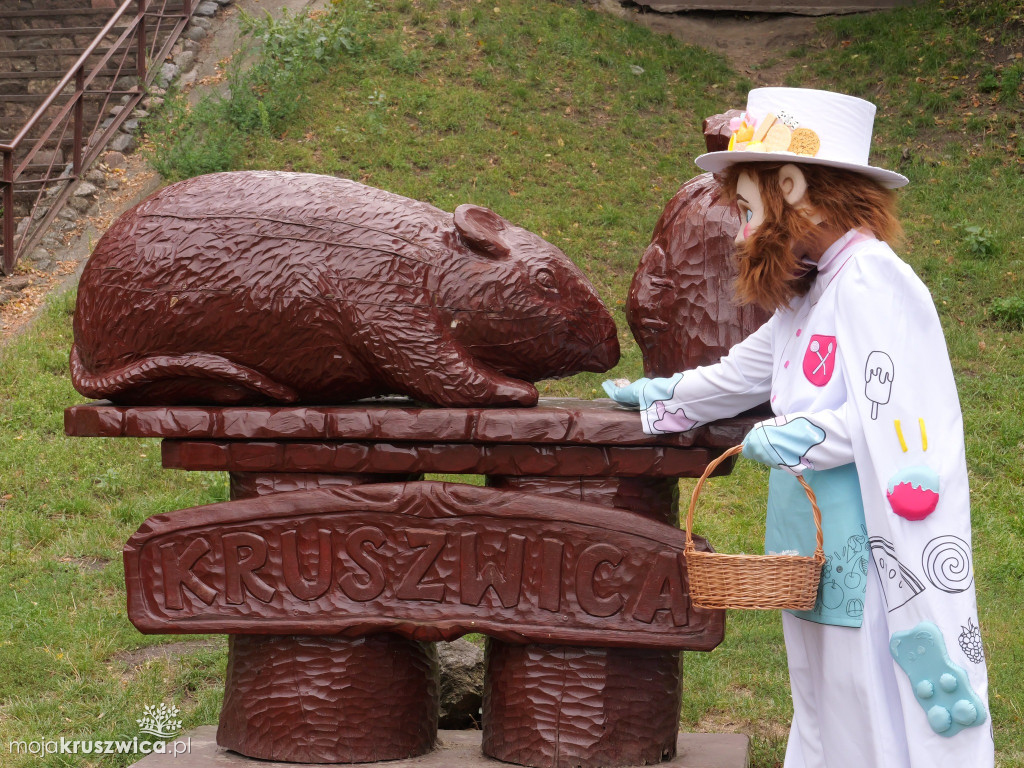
{"x":428,"y":560}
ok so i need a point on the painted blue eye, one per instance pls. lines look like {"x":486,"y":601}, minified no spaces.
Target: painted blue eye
{"x":748,"y":215}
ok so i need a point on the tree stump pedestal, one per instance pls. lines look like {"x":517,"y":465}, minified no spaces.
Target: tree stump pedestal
{"x":335,"y":567}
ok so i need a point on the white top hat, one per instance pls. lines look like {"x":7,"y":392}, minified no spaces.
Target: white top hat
{"x":802,"y":125}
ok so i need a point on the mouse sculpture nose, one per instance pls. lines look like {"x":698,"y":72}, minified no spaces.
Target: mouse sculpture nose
{"x":604,"y":353}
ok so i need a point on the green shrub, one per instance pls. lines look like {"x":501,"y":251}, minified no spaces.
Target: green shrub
{"x":1009,"y":311}
{"x":978,"y":240}
{"x":290,"y":53}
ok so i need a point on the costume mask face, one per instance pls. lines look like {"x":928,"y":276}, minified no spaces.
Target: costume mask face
{"x":793,"y":186}
{"x":748,"y":200}
{"x":778,"y":229}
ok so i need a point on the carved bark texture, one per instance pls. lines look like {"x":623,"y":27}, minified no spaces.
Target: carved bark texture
{"x":329,"y":700}
{"x":334,"y":699}
{"x":562,"y":707}
{"x":553,"y":422}
{"x":263,"y":287}
{"x":583,"y":706}
{"x":310,"y":459}
{"x":654,"y":498}
{"x":680,"y":307}
{"x":246,"y":485}
{"x":427,"y":560}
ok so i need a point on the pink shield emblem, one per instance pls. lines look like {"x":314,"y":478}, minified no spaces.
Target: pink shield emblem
{"x":820,"y":359}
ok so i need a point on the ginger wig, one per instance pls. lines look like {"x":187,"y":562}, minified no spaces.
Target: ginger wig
{"x":770,"y":271}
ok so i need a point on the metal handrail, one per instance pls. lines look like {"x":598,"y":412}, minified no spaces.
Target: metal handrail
{"x":82,"y":76}
{"x":66,"y":80}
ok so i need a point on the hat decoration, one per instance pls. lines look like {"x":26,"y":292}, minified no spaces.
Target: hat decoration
{"x":773,"y":133}
{"x":806,"y":126}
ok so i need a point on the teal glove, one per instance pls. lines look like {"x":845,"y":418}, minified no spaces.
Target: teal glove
{"x":627,"y":395}
{"x":783,"y":446}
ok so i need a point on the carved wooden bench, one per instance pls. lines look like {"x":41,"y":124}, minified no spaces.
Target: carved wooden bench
{"x":335,"y":567}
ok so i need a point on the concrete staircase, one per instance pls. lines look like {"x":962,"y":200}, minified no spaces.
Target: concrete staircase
{"x":40,"y":42}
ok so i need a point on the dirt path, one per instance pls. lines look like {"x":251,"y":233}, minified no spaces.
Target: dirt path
{"x":755,"y":43}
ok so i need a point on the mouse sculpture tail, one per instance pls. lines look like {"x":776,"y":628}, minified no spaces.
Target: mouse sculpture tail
{"x":182,"y":378}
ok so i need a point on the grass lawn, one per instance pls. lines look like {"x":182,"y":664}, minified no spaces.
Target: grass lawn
{"x":580,"y":127}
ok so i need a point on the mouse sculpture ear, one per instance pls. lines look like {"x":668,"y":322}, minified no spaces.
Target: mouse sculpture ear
{"x":483,"y":230}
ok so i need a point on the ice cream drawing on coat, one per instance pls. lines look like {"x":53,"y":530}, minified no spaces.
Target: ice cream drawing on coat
{"x":854,"y":365}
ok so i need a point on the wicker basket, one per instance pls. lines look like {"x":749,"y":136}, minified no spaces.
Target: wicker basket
{"x":752,"y":582}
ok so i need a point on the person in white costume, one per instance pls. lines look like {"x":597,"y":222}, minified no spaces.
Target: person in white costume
{"x":887,"y":670}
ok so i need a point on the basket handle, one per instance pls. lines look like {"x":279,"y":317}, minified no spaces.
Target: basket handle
{"x":819,"y":551}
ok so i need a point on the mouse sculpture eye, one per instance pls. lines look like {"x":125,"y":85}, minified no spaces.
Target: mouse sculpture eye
{"x":547,"y":279}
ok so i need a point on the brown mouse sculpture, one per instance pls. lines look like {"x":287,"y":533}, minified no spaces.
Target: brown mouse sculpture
{"x":680,"y":306}
{"x":258,"y":287}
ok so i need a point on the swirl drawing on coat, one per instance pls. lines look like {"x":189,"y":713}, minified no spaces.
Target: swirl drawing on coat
{"x":947,"y":564}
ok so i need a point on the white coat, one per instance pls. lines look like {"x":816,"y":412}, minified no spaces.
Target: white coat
{"x":857,"y":371}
